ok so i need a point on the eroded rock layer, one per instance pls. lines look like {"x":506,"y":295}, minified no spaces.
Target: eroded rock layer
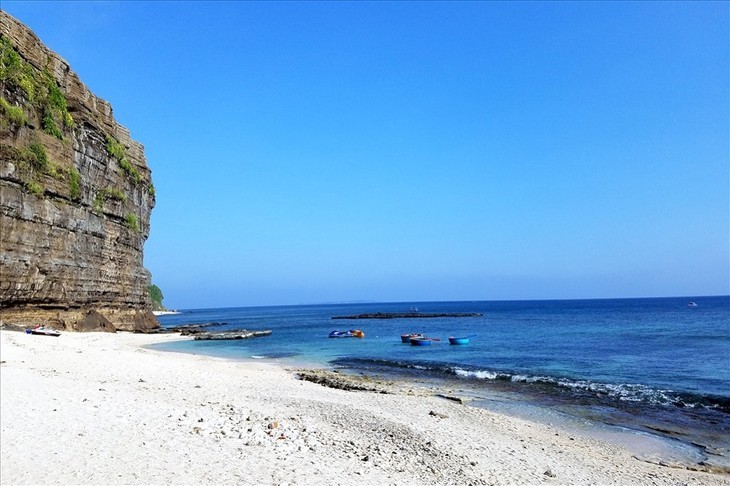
{"x":75,"y":198}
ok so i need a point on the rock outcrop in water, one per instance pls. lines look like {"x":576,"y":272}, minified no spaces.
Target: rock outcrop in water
{"x":75,"y":198}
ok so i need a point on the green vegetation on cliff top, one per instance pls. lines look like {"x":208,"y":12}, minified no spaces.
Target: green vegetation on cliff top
{"x":41,"y":92}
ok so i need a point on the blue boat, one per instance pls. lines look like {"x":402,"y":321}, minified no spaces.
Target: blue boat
{"x":459,"y":340}
{"x":421,"y":341}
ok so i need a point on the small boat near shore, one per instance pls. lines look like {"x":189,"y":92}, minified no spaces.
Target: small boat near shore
{"x":406,"y":338}
{"x":422,"y":341}
{"x":692,"y":304}
{"x":346,"y":334}
{"x":459,"y":340}
{"x":43,"y":331}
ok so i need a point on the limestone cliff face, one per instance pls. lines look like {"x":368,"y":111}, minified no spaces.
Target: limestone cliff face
{"x":75,"y":198}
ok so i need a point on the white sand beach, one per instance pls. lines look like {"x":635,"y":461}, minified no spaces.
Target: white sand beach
{"x":97,"y":408}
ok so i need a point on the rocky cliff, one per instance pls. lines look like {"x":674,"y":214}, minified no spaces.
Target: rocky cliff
{"x":75,"y":198}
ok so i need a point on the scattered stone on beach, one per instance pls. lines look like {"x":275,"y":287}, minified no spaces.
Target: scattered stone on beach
{"x":437,"y":414}
{"x":452,"y":398}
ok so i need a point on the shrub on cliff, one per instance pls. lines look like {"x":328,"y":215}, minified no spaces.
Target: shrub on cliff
{"x":37,"y":157}
{"x":14,"y":71}
{"x":14,"y":114}
{"x":156,"y":297}
{"x":40,"y":89}
{"x":132,"y":222}
{"x":117,"y":150}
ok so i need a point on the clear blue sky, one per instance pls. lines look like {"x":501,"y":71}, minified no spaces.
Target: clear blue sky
{"x":310,"y":152}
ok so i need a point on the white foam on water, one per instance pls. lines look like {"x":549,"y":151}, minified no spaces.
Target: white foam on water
{"x":482,"y":374}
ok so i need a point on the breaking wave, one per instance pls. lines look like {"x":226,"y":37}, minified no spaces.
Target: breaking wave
{"x":624,"y":392}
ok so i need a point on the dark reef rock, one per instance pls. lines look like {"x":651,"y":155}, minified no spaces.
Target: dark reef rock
{"x":190,"y":329}
{"x":341,"y":381}
{"x":235,"y":334}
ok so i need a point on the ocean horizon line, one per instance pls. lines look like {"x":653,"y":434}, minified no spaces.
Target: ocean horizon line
{"x":417,"y":302}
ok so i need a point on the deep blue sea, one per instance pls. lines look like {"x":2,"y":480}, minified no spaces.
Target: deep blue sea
{"x":658,"y":365}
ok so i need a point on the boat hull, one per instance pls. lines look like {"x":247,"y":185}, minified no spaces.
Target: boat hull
{"x":458,"y":341}
{"x":420,"y":341}
{"x":43,"y":332}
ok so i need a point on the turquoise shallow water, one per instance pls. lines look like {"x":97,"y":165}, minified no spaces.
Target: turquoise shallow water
{"x":655,"y":365}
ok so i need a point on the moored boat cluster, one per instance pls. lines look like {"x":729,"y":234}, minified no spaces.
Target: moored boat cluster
{"x":415,"y":339}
